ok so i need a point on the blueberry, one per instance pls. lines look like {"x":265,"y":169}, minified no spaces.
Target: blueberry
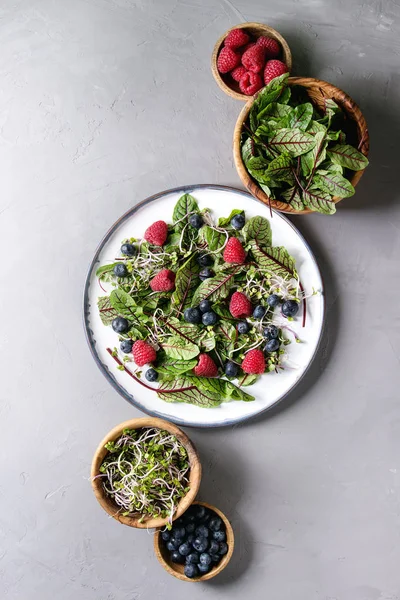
{"x":202,"y":531}
{"x":190,"y":527}
{"x":203,"y":568}
{"x":219,"y":536}
{"x":191,"y":570}
{"x":231,"y":370}
{"x":243,"y":327}
{"x":120,"y":325}
{"x":165,"y":535}
{"x":271,"y":332}
{"x":214,"y":544}
{"x":223,"y":548}
{"x":205,"y":558}
{"x":238,"y":221}
{"x":200,"y":511}
{"x":290,"y":308}
{"x":189,"y":517}
{"x":172,"y":545}
{"x":192,"y":315}
{"x":176,"y":557}
{"x":128,"y":249}
{"x":273,"y":300}
{"x":184,"y":549}
{"x":215,"y":557}
{"x":178,"y":532}
{"x":192,"y":558}
{"x":272,"y":345}
{"x":151,"y":375}
{"x":205,"y":306}
{"x":120,"y":270}
{"x":196,"y":221}
{"x":206,"y":274}
{"x":215,"y":523}
{"x":206,"y":517}
{"x":205,"y":260}
{"x":126,"y":346}
{"x":259,"y":311}
{"x":190,"y":538}
{"x":200,"y":544}
{"x":209,"y":318}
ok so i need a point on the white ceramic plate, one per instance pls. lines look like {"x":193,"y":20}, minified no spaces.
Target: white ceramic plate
{"x":271,"y":387}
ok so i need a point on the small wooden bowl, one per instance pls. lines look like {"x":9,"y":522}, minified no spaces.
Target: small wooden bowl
{"x":255,"y":30}
{"x":177,"y":570}
{"x":110,"y":506}
{"x":318,"y":91}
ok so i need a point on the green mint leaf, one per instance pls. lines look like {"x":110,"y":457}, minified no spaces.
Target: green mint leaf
{"x":292,"y":141}
{"x":225,"y":221}
{"x":179,"y":348}
{"x":216,"y":287}
{"x":301,"y":117}
{"x":106,"y":311}
{"x":333,"y":183}
{"x":185,"y":205}
{"x":186,"y":283}
{"x":275,"y":259}
{"x":319,"y":201}
{"x":348,"y":157}
{"x":259,"y":229}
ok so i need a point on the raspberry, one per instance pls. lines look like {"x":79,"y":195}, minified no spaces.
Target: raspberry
{"x":273,"y":69}
{"x":246,"y":47}
{"x":236,"y":38}
{"x":143,"y":353}
{"x":254,"y":362}
{"x":250,"y":83}
{"x":240,"y":306}
{"x":238,"y":73}
{"x":271,"y":46}
{"x":206,"y":367}
{"x":164,"y":281}
{"x":227,"y":60}
{"x":157,"y":233}
{"x":254,"y":59}
{"x":234,"y":252}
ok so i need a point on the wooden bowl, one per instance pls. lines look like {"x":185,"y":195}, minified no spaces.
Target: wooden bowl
{"x":318,"y":91}
{"x":111,"y":507}
{"x":177,"y":570}
{"x":255,"y":30}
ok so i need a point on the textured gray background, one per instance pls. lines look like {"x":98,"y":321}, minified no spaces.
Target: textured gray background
{"x":104,"y":102}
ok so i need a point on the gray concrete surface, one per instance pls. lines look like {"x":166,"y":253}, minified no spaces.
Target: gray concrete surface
{"x":104,"y":102}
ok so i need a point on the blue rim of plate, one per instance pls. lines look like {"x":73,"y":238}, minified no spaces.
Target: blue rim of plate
{"x":86,"y":309}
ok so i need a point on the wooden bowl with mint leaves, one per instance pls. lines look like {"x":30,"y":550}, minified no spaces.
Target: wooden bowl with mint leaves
{"x":145,"y":473}
{"x":301,"y":145}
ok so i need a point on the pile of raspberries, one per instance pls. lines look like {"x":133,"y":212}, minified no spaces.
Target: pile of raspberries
{"x":251,"y":64}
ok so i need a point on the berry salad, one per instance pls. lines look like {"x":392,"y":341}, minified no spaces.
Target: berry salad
{"x":201,"y":309}
{"x":196,"y":540}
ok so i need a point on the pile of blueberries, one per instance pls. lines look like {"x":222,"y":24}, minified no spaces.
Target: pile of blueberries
{"x":197,"y":540}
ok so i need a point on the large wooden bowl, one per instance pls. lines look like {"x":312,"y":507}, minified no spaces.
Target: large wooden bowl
{"x":110,"y":506}
{"x":317,"y":91}
{"x":255,"y":30}
{"x":177,"y":570}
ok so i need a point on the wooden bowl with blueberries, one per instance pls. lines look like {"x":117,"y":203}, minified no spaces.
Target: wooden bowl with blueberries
{"x":199,"y":546}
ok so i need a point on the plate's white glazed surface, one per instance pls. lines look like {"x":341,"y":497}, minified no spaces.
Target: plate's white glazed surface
{"x":271,"y":387}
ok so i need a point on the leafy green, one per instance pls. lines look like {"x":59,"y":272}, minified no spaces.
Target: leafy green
{"x":185,"y":205}
{"x":186,"y":282}
{"x":214,"y":239}
{"x":124,"y":304}
{"x":106,"y":311}
{"x":294,"y":153}
{"x":179,"y":348}
{"x":106,"y":268}
{"x":216,"y":287}
{"x":171,"y":366}
{"x":275,"y":259}
{"x":259,"y":229}
{"x":225,"y":221}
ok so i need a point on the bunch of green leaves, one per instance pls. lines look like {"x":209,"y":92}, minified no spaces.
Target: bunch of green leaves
{"x":295,"y":153}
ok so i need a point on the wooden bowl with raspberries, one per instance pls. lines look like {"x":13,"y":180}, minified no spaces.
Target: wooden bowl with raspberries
{"x":247,"y":57}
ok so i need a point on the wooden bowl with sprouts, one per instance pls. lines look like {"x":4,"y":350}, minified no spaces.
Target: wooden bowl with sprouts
{"x":145,"y":473}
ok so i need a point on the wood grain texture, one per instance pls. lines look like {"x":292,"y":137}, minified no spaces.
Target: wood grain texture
{"x":110,"y":506}
{"x":255,"y":30}
{"x":317,"y":91}
{"x":177,"y":570}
